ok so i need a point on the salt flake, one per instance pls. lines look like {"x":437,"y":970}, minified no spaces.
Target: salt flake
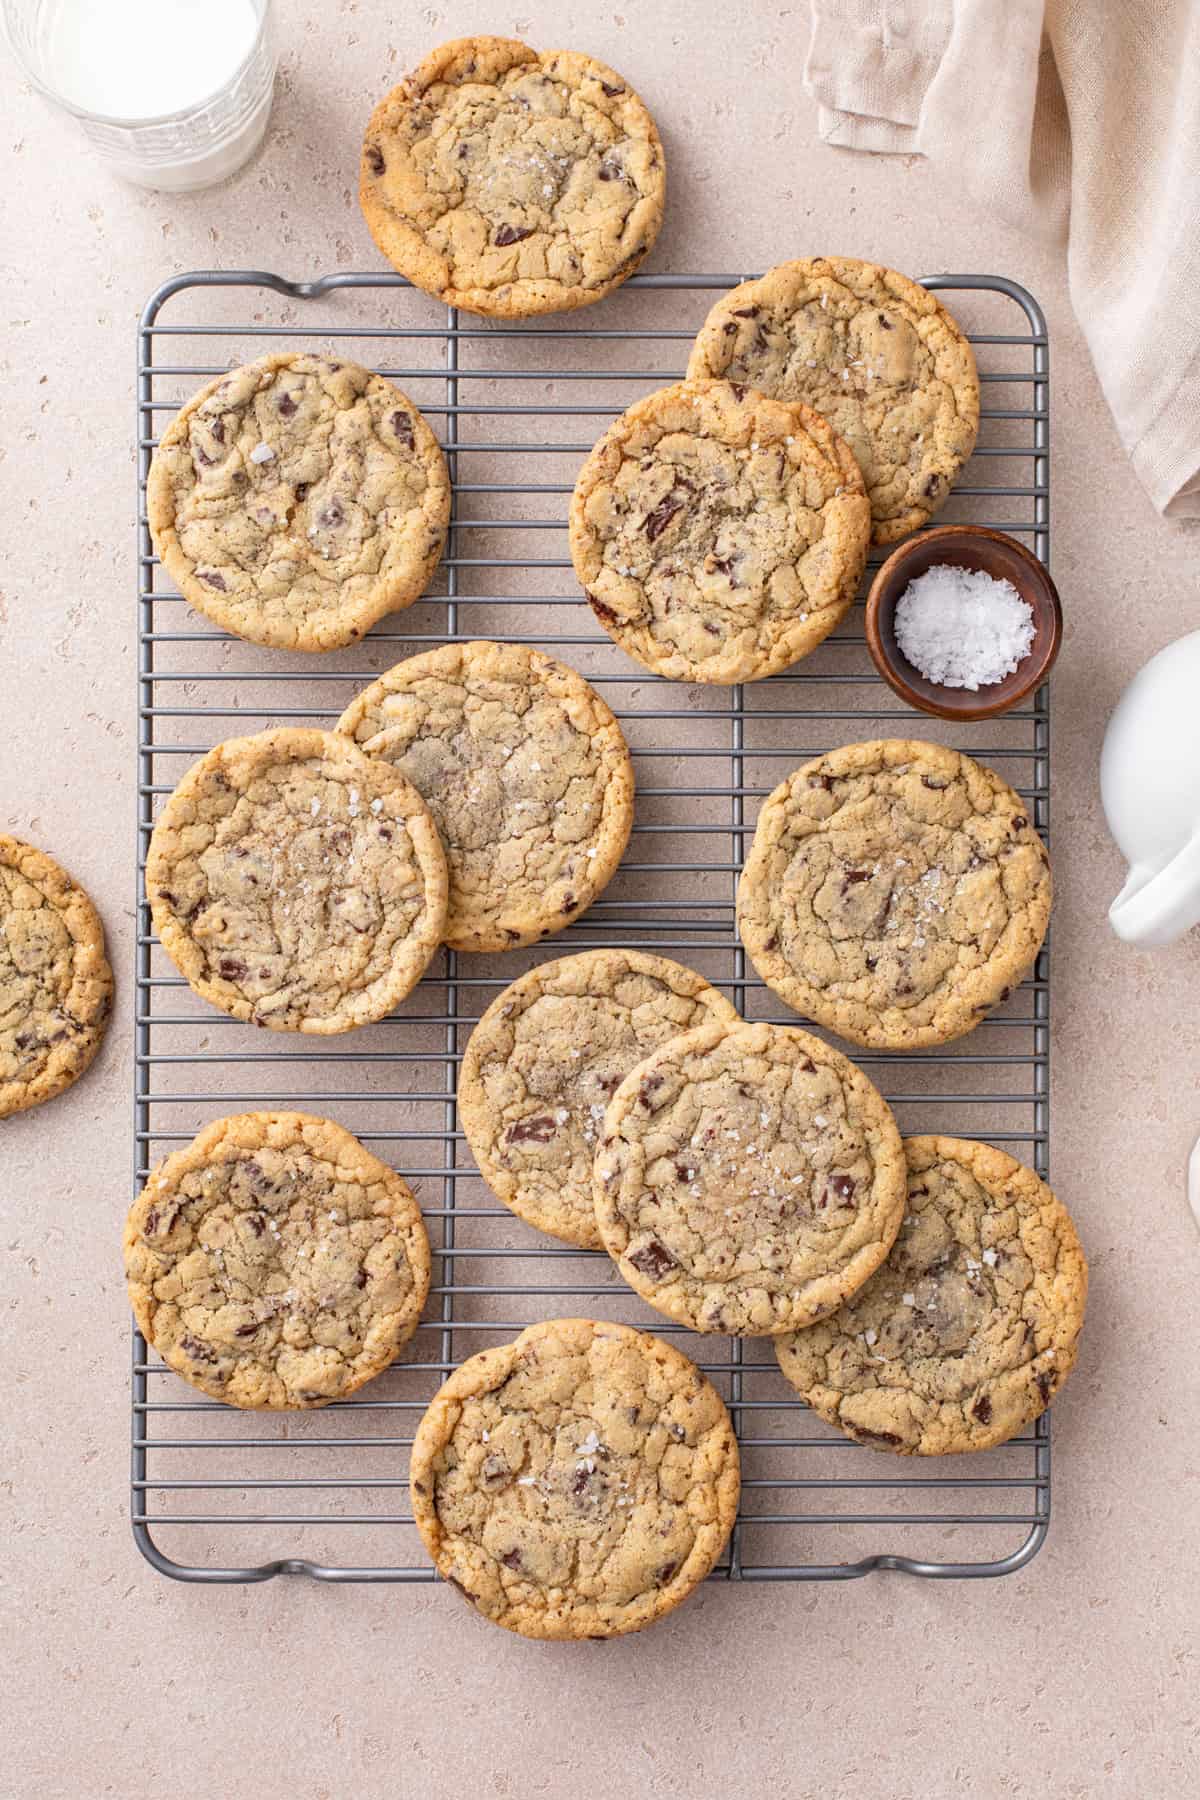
{"x":962,"y":628}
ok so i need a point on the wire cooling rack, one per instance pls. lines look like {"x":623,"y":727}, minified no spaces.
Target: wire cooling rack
{"x":224,"y":1496}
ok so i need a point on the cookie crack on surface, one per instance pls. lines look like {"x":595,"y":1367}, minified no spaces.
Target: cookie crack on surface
{"x":296,"y":882}
{"x":625,"y":1528}
{"x":55,"y":981}
{"x":518,"y":190}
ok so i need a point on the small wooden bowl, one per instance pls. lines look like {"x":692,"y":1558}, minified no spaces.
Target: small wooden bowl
{"x":964,"y":547}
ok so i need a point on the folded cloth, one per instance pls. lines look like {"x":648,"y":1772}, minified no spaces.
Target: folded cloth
{"x":1072,"y":117}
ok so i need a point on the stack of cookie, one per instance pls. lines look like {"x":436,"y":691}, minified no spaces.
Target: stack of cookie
{"x":925,"y":1296}
{"x":744,"y":1177}
{"x":479,"y":797}
{"x":748,"y":1179}
{"x":303,"y":882}
{"x":720,"y":528}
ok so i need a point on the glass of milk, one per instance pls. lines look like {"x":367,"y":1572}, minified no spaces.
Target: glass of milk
{"x":170,"y":93}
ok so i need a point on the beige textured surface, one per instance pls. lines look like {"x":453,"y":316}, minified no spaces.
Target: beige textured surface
{"x":1073,"y":1679}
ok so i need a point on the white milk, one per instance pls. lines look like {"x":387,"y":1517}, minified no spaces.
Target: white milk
{"x":137,"y":59}
{"x":204,"y":68}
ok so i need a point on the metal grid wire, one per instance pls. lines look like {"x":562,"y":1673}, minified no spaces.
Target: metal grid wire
{"x":225,"y":1496}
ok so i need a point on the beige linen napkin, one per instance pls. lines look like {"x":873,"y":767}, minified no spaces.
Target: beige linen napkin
{"x":1068,"y":116}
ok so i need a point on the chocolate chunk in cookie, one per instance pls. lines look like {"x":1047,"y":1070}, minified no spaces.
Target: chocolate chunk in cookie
{"x":296,"y":882}
{"x":749,"y":1178}
{"x":275,"y":1263}
{"x":55,"y":982}
{"x":545,"y":1060}
{"x":295,"y":501}
{"x":526,"y":772}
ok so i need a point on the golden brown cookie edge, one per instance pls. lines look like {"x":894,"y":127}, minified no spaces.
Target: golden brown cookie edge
{"x":989,"y":1165}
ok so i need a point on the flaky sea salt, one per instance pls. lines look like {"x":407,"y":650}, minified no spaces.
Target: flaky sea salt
{"x":962,"y":628}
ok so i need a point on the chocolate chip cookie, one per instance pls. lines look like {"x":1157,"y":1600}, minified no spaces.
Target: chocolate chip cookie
{"x":55,"y":983}
{"x":719,"y":536}
{"x":895,"y":891}
{"x":511,"y":182}
{"x":275,"y":1263}
{"x":972,"y":1324}
{"x":296,"y":882}
{"x":524,"y":769}
{"x":877,"y":354}
{"x":577,"y":1483}
{"x":545,"y":1060}
{"x":749,"y":1178}
{"x":298,"y":500}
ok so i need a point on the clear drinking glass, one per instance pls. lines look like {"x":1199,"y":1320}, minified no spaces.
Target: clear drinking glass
{"x":191,"y":148}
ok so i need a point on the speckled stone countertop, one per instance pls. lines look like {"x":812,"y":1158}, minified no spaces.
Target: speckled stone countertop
{"x":1076,"y":1677}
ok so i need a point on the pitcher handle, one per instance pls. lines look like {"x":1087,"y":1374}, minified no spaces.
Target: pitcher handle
{"x":1158,"y":908}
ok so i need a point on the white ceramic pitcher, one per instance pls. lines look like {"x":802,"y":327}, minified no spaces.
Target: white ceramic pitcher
{"x":1150,"y":786}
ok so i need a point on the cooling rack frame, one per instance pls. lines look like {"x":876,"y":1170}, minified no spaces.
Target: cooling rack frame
{"x":169,"y":1423}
